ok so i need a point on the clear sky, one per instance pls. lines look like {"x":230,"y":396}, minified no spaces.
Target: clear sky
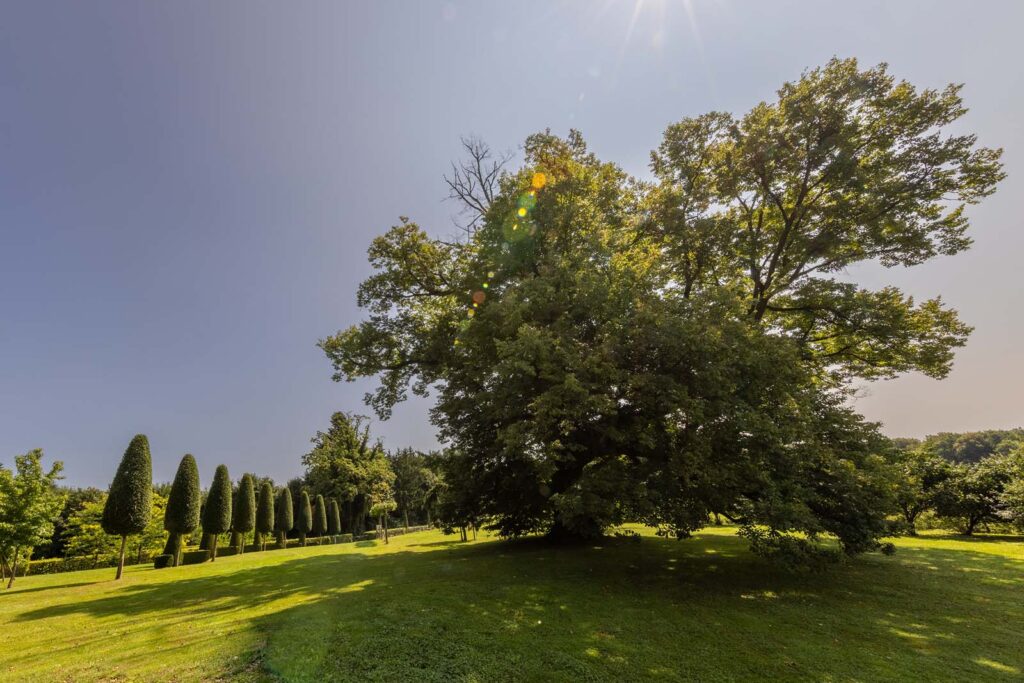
{"x":187,"y":190}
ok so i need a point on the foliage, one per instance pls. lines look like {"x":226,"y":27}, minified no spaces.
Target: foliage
{"x":163,"y":561}
{"x":85,"y":536}
{"x":74,"y":499}
{"x":918,"y":477}
{"x":304,"y":516}
{"x":333,"y":517}
{"x":973,"y":446}
{"x":29,"y":504}
{"x":184,"y":498}
{"x":244,"y":510}
{"x":973,"y":493}
{"x":265,"y":521}
{"x":284,"y":519}
{"x":345,"y":464}
{"x":412,"y":480}
{"x":129,"y":502}
{"x":319,"y":517}
{"x":217,"y":511}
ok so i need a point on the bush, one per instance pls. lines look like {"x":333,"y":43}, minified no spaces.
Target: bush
{"x":368,"y":536}
{"x":163,"y":561}
{"x":344,"y":538}
{"x":195,"y":557}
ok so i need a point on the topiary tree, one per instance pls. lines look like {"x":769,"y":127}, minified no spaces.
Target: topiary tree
{"x":129,"y":502}
{"x":217,"y":513}
{"x":304,"y":524}
{"x":381,"y":510}
{"x":320,"y":517}
{"x":284,"y":519}
{"x":183,"y":504}
{"x":243,"y":519}
{"x":333,"y":517}
{"x":264,"y":515}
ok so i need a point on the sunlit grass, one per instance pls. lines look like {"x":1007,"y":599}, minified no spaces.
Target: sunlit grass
{"x":427,"y":607}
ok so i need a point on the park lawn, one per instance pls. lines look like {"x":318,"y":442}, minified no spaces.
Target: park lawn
{"x":427,"y":607}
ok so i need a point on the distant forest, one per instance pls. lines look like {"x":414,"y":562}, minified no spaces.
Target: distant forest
{"x":967,"y":446}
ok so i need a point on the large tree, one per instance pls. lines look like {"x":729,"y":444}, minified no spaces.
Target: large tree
{"x":411,"y":480}
{"x":217,"y":510}
{"x":604,"y":349}
{"x":29,"y":505}
{"x":129,"y":504}
{"x":345,"y":463}
{"x":183,"y":504}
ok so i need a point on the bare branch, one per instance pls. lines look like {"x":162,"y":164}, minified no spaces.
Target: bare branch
{"x":473,"y":182}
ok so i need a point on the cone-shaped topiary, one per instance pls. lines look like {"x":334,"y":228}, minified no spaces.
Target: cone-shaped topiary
{"x":283,"y":519}
{"x":320,"y":517}
{"x":183,"y":504}
{"x":129,"y":501}
{"x":264,"y":515}
{"x":304,"y":524}
{"x":243,"y":519}
{"x":217,"y":513}
{"x":333,"y":517}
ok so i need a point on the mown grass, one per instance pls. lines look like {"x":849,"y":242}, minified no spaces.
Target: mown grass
{"x":427,"y":607}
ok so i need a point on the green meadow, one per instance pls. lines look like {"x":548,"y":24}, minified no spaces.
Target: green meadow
{"x":428,"y":607}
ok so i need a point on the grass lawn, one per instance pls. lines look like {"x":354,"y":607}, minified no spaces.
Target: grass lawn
{"x":427,"y":607}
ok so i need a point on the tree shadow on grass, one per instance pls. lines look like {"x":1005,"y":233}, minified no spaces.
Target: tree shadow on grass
{"x":698,"y":609}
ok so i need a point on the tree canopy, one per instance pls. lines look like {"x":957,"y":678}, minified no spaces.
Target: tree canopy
{"x":603,"y":348}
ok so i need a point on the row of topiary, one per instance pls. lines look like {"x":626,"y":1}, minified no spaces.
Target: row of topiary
{"x":127,"y":511}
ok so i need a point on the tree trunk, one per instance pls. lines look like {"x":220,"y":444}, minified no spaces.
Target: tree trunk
{"x":428,"y":516}
{"x":406,"y":521}
{"x":385,"y":520}
{"x":138,"y":558}
{"x":13,"y":567}
{"x":213,"y":547}
{"x":177,"y":550}
{"x":302,"y":540}
{"x":120,"y":558}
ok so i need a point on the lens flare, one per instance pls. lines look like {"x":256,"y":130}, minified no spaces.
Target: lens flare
{"x":539,"y":180}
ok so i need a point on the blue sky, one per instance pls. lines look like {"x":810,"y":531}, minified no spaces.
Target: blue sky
{"x":187,"y":190}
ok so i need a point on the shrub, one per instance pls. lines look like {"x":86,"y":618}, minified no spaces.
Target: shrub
{"x":304,"y":524}
{"x":368,"y":536}
{"x":195,"y":556}
{"x":319,"y":517}
{"x":333,"y":517}
{"x":243,"y":519}
{"x":163,"y":561}
{"x":344,"y":538}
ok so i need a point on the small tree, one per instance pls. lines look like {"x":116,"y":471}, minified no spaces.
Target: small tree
{"x":333,"y":517}
{"x":130,"y":500}
{"x":304,"y":524}
{"x":217,"y":512}
{"x":284,"y":517}
{"x":381,"y":510}
{"x":183,"y":505}
{"x":244,"y":513}
{"x":264,"y":515}
{"x":973,"y":493}
{"x":319,"y":517}
{"x":29,"y":504}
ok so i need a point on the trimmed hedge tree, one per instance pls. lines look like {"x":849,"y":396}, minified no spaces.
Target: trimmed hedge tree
{"x":264,"y":515}
{"x":217,"y":513}
{"x":243,"y":519}
{"x":129,"y":501}
{"x":333,"y":517}
{"x":183,"y":504}
{"x":304,"y":524}
{"x":284,"y":519}
{"x":320,"y":517}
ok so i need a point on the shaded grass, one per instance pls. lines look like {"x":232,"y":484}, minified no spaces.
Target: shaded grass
{"x":427,"y":607}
